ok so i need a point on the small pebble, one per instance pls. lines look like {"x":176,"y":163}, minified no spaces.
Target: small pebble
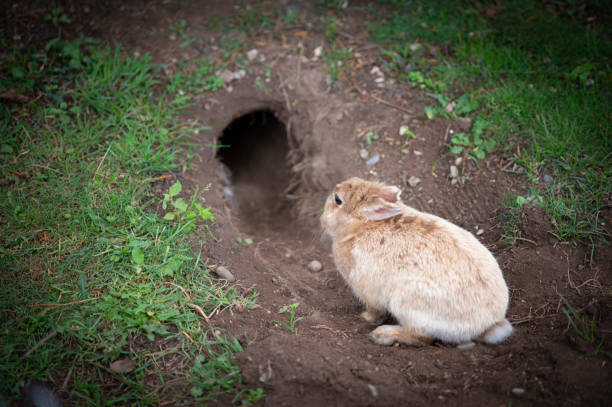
{"x":380,"y":79}
{"x":414,"y":181}
{"x":364,"y":154}
{"x":223,"y":272}
{"x":315,"y":266}
{"x":373,"y":160}
{"x":517,"y":391}
{"x":373,"y":390}
{"x":252,"y":54}
{"x":226,"y":76}
{"x":458,"y":161}
{"x":376,"y":71}
{"x":317,"y":52}
{"x":547,"y":178}
{"x":479,"y":232}
{"x":466,"y":346}
{"x":239,"y":74}
{"x":417,"y":152}
{"x":454,"y":173}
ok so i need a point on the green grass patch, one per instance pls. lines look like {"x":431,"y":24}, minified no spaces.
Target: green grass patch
{"x":538,"y":85}
{"x":97,"y":287}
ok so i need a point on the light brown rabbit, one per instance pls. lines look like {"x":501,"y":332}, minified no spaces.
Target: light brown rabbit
{"x":435,"y":278}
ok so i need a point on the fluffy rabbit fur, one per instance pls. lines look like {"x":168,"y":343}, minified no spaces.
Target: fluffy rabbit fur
{"x":435,"y":278}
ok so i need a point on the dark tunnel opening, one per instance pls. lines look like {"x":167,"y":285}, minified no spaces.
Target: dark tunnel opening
{"x":254,"y":153}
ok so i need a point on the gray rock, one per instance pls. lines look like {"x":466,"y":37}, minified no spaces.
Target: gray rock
{"x":364,"y":154}
{"x":464,"y":123}
{"x":315,"y":266}
{"x":373,"y":160}
{"x":518,"y":391}
{"x":547,"y":178}
{"x":454,"y":173}
{"x":414,"y":181}
{"x":224,"y":273}
{"x":252,"y":54}
{"x":479,"y":232}
{"x":226,"y":76}
{"x":466,"y":346}
{"x":373,"y":390}
{"x":239,"y":74}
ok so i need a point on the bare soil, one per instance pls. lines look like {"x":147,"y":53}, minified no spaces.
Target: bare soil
{"x":271,"y":184}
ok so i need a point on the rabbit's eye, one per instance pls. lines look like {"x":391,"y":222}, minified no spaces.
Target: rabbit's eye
{"x":338,"y":200}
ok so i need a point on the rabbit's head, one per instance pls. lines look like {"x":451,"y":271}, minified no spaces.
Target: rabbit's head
{"x":356,"y":201}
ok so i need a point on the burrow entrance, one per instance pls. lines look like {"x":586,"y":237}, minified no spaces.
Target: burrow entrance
{"x":254,"y":154}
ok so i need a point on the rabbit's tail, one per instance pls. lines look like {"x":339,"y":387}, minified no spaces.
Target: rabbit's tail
{"x":497,"y":333}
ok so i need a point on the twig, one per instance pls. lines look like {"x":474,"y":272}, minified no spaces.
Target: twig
{"x":67,"y":378}
{"x":384,"y":102}
{"x":446,"y":132}
{"x":166,"y":176}
{"x":532,"y":318}
{"x":62,"y":304}
{"x":102,"y":160}
{"x":299,"y":66}
{"x":376,"y":126}
{"x":41,"y":342}
{"x":526,"y":240}
{"x":286,"y":100}
{"x":200,"y":311}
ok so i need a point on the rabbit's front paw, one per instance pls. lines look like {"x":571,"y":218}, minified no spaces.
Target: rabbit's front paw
{"x":373,"y":316}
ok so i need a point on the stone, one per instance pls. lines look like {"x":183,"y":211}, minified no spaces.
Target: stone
{"x":315,"y":266}
{"x":226,"y":76}
{"x":224,"y":273}
{"x":414,"y":181}
{"x":252,"y":54}
{"x":454,"y":172}
{"x":373,"y":160}
{"x":466,"y":346}
{"x":518,"y":391}
{"x":364,"y":154}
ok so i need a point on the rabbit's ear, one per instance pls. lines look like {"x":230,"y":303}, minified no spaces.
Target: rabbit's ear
{"x":384,"y":204}
{"x":389,"y":194}
{"x":381,"y":211}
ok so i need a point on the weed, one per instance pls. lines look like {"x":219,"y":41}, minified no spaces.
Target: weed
{"x":179,"y":30}
{"x":370,"y":136}
{"x":584,"y":327}
{"x":336,"y":62}
{"x":473,"y":143}
{"x":292,"y":319}
{"x":405,"y":131}
{"x":511,"y":216}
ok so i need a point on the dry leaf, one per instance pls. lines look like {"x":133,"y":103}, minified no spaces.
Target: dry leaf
{"x":123,"y":366}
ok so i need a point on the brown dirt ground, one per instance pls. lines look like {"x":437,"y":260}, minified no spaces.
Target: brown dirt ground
{"x":279,"y":192}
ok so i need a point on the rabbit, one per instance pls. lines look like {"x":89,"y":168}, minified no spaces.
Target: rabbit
{"x":435,"y":278}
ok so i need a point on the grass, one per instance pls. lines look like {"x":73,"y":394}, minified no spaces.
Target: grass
{"x":538,"y":84}
{"x":585,"y":327}
{"x":92,"y":271}
{"x":291,"y":309}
